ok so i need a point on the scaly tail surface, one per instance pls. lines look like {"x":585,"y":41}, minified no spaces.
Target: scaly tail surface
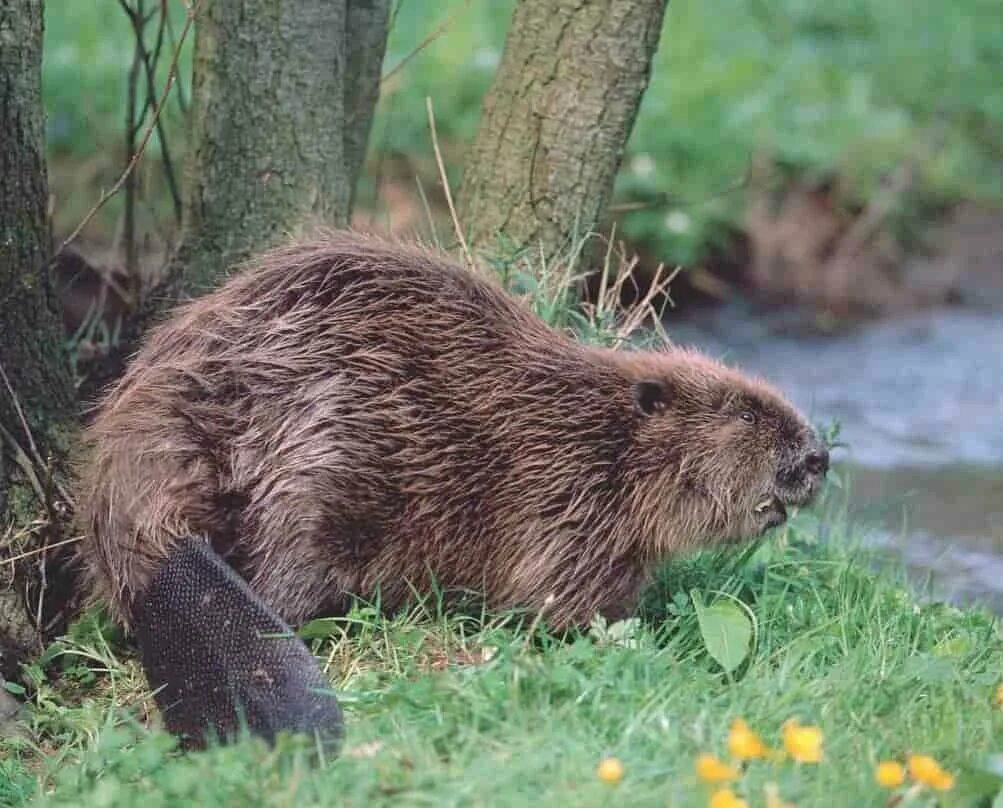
{"x":219,"y":659}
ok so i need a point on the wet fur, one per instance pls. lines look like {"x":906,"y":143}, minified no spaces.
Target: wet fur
{"x":349,"y":415}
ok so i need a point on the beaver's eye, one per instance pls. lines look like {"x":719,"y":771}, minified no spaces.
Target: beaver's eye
{"x":748,"y":416}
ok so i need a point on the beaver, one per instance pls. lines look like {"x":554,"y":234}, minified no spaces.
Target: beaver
{"x":351,"y":416}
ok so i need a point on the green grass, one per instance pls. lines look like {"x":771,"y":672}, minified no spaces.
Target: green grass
{"x":449,"y":710}
{"x":845,"y":90}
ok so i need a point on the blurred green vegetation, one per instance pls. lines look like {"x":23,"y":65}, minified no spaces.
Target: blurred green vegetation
{"x":845,"y":91}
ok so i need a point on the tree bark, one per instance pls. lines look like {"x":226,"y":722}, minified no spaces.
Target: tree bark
{"x":284,"y":98}
{"x":366,"y":43}
{"x":32,"y":353}
{"x":283,"y":103}
{"x":275,"y":145}
{"x":556,"y":120}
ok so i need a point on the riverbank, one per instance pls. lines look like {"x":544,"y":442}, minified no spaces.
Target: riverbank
{"x":918,"y":399}
{"x":810,"y":624}
{"x":447,"y":711}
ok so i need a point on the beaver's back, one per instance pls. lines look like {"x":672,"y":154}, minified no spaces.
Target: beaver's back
{"x":347,"y":413}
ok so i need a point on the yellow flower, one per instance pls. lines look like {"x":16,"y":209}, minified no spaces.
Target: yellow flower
{"x":924,"y":769}
{"x":712,"y":770}
{"x":804,"y":744}
{"x":890,"y":773}
{"x":726,"y":798}
{"x":999,"y":694}
{"x":610,"y":770}
{"x":743,"y":743}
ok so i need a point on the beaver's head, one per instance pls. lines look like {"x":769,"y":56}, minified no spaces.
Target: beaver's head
{"x":729,"y":452}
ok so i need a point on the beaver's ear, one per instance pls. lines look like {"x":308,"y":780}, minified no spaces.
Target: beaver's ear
{"x":652,"y":397}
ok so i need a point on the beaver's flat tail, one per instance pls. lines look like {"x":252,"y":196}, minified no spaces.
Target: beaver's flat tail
{"x":220,"y":660}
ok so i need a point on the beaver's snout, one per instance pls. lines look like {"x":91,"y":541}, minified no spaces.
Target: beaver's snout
{"x":817,"y":461}
{"x":799,"y":482}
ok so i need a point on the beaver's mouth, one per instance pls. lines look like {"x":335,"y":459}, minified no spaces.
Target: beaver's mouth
{"x":771,"y":512}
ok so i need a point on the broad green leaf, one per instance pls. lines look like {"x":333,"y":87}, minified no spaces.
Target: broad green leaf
{"x":726,"y":630}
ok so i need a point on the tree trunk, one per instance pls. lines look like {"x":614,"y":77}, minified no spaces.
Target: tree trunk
{"x":283,"y":102}
{"x":556,"y":120}
{"x":270,"y":124}
{"x":284,"y":97}
{"x":365,"y":43}
{"x":32,"y":354}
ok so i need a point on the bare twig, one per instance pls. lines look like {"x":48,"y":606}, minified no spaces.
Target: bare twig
{"x":36,"y":455}
{"x":629,"y":318}
{"x":20,"y":415}
{"x":192,"y":11}
{"x":25,"y":464}
{"x":880,"y":205}
{"x":428,"y":40}
{"x":149,"y":60}
{"x":180,"y":94}
{"x":869,"y":222}
{"x":666,"y":198}
{"x":604,"y":278}
{"x":638,"y":313}
{"x":136,"y":16}
{"x":428,"y":213}
{"x":40,"y":550}
{"x":445,"y":186}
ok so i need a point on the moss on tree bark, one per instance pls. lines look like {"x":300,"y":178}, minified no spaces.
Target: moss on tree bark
{"x":32,"y":353}
{"x":557,"y":119}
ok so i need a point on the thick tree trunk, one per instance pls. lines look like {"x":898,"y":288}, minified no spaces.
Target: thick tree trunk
{"x":270,"y":123}
{"x":556,"y":120}
{"x":31,"y":348}
{"x":267,"y":122}
{"x":283,"y":102}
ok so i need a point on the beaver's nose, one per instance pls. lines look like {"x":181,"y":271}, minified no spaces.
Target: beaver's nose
{"x":817,"y":462}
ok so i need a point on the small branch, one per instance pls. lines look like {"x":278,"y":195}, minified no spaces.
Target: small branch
{"x":150,"y":61}
{"x":881,"y":204}
{"x":428,"y":40}
{"x":36,"y":455}
{"x":445,"y":186}
{"x":180,"y":94}
{"x":132,"y":123}
{"x":839,"y":268}
{"x":25,"y":464}
{"x":40,"y":550}
{"x":666,"y":198}
{"x":171,"y":76}
{"x":20,"y":415}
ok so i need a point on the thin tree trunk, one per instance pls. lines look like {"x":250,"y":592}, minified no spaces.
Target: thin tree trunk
{"x":556,"y":120}
{"x":32,"y":354}
{"x":365,"y":43}
{"x":275,"y":144}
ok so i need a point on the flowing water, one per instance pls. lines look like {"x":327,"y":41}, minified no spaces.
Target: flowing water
{"x":920,"y":404}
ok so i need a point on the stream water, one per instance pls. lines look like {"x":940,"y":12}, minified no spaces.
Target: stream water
{"x":920,"y":404}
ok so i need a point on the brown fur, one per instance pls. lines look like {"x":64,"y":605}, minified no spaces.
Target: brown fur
{"x":350,"y":415}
